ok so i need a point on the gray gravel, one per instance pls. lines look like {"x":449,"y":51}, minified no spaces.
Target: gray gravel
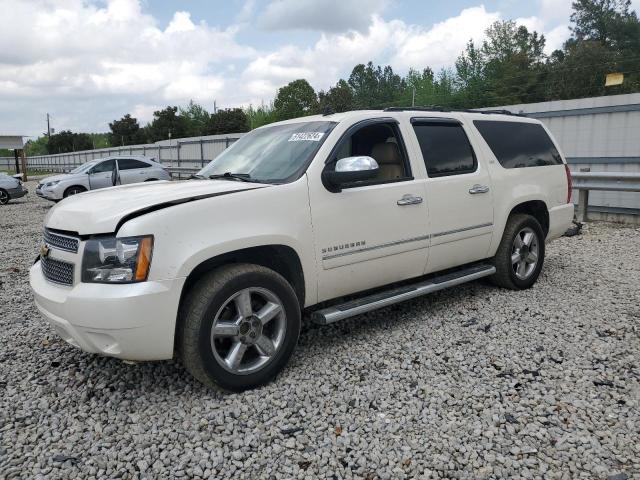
{"x":475,"y":382}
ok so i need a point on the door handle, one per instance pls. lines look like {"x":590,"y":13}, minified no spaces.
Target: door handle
{"x":477,"y":188}
{"x":409,"y":199}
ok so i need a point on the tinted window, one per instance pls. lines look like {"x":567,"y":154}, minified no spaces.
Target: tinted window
{"x":445,"y":148}
{"x":130,"y":164}
{"x":518,"y":145}
{"x":105,"y":166}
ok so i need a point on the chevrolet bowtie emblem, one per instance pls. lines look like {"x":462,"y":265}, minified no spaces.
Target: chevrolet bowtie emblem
{"x":44,"y":251}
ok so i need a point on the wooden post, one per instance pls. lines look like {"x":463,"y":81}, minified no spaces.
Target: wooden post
{"x":15,"y":154}
{"x":24,"y":165}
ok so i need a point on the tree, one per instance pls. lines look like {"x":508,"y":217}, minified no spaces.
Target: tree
{"x":374,"y":86}
{"x":36,"y":147}
{"x":196,"y":119}
{"x":263,"y":115}
{"x":295,"y":99}
{"x":125,"y":131}
{"x":601,"y":20}
{"x":67,"y":141}
{"x":338,"y":98}
{"x":232,"y":120}
{"x":166,"y":122}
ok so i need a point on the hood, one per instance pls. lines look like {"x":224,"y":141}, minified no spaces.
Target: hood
{"x":53,"y":178}
{"x":101,"y":211}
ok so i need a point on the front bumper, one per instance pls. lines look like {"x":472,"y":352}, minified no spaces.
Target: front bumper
{"x":131,"y":321}
{"x":17,"y":192}
{"x":48,"y":193}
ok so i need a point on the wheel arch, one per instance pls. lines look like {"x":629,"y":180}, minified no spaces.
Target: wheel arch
{"x":537,"y":209}
{"x":279,"y":258}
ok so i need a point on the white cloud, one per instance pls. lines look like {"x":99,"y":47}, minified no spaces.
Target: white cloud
{"x":386,"y":42}
{"x":327,"y":15}
{"x":108,"y":57}
{"x":89,"y":62}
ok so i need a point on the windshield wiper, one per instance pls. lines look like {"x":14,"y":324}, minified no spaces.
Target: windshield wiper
{"x":241,"y":177}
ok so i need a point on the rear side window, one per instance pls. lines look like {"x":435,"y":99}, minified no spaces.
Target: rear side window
{"x":445,"y":148}
{"x":518,"y":144}
{"x":130,"y":164}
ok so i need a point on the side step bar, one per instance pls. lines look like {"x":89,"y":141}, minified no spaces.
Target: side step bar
{"x":400,"y":294}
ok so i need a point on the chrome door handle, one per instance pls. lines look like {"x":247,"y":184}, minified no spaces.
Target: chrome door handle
{"x":409,"y":199}
{"x":477,"y":188}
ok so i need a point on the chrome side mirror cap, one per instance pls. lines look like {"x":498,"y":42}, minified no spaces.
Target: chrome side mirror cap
{"x":348,"y":170}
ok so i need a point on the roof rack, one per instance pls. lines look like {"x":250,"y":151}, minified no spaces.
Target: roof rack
{"x":438,"y":108}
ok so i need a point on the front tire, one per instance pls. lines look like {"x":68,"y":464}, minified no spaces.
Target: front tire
{"x":73,"y":191}
{"x":239,"y":325}
{"x":520,"y":256}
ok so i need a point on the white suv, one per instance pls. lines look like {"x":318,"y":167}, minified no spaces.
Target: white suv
{"x":102,"y":173}
{"x":333,"y":215}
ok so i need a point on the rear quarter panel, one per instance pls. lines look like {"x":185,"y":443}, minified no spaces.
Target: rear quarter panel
{"x":513,"y":186}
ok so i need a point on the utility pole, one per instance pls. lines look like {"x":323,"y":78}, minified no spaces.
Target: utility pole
{"x":48,"y":128}
{"x":413,"y":97}
{"x":214,"y":107}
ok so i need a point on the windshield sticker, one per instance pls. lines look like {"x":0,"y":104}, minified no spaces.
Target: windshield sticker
{"x":306,"y":137}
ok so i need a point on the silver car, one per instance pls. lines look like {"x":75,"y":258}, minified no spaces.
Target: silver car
{"x":105,"y":172}
{"x":10,"y":188}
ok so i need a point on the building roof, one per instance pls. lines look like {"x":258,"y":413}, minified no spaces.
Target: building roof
{"x":12,"y":142}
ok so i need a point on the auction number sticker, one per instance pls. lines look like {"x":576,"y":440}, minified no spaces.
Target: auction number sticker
{"x":306,"y":137}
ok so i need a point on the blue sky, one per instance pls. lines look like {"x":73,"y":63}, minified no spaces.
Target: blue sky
{"x":88,"y":62}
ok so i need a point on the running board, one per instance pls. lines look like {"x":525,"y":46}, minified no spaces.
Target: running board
{"x":400,"y":294}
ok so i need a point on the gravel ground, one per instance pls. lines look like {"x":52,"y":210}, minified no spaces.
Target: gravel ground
{"x":475,"y":382}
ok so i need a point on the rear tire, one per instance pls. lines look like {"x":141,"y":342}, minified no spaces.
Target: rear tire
{"x":520,"y":256}
{"x":238,"y":327}
{"x":73,"y":191}
{"x":4,"y":197}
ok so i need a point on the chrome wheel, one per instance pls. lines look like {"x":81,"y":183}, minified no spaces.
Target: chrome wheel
{"x":525,"y":253}
{"x":4,"y":197}
{"x":248,"y":330}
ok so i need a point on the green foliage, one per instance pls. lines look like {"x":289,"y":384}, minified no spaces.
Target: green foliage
{"x":374,"y":86}
{"x":260,"y":116}
{"x":337,"y":99}
{"x":125,"y":131}
{"x":6,"y":153}
{"x":296,"y":99}
{"x":196,"y":120}
{"x":67,"y":141}
{"x":232,"y":120}
{"x":36,"y":147}
{"x":166,"y":122}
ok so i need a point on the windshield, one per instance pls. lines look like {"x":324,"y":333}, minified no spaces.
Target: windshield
{"x":276,"y":154}
{"x":83,"y":168}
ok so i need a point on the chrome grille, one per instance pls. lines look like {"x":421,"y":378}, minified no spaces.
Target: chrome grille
{"x":57,"y":271}
{"x":61,"y":242}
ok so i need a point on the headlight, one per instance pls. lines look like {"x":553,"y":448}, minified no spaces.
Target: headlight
{"x":51,"y":184}
{"x":117,"y":260}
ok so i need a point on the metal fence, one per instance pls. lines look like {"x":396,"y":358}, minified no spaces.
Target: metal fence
{"x":192,"y":153}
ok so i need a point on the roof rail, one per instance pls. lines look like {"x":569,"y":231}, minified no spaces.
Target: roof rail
{"x":437,"y":108}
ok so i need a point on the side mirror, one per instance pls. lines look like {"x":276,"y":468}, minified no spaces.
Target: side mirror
{"x":349,"y":170}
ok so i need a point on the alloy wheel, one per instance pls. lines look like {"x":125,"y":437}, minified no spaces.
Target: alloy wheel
{"x":525,"y":253}
{"x":248,"y":330}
